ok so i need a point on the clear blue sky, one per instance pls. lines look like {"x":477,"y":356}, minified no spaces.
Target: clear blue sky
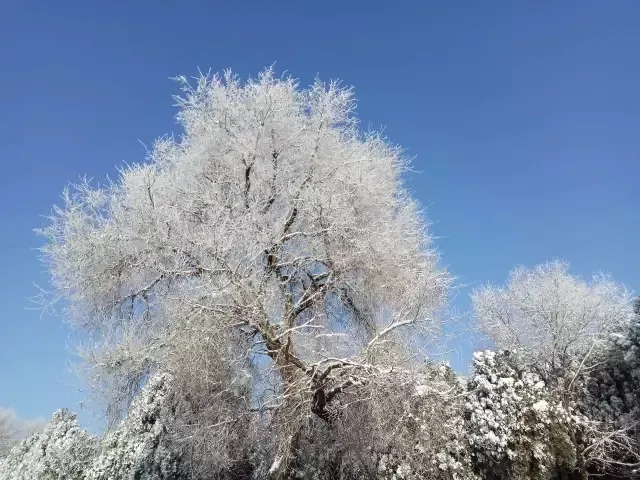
{"x":523,"y":117}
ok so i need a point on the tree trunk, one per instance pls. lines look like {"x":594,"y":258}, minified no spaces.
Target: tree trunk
{"x":285,"y":463}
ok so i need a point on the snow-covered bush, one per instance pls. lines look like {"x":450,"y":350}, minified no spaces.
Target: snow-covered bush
{"x":417,"y":432}
{"x":61,"y":451}
{"x":516,"y":426}
{"x":441,"y":449}
{"x":410,"y":429}
{"x":138,"y":448}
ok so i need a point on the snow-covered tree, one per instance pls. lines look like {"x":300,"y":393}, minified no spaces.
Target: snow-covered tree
{"x":140,"y":447}
{"x":61,"y":451}
{"x":273,"y":241}
{"x":555,"y":320}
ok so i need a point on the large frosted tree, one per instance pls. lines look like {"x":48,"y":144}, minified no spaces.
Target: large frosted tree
{"x":269,"y":257}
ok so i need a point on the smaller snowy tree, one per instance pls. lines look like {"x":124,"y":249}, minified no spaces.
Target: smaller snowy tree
{"x":8,"y":431}
{"x":138,"y":449}
{"x":556,"y":321}
{"x":61,"y":451}
{"x":562,"y":328}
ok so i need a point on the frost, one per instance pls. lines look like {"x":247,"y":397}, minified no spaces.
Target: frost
{"x":541,"y":406}
{"x":421,"y":390}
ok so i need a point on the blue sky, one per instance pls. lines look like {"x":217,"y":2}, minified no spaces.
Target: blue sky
{"x":523,"y":119}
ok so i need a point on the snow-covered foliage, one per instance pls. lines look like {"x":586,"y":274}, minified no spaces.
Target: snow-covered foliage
{"x":430,"y":440}
{"x":502,"y":423}
{"x":516,"y":426}
{"x":61,"y":451}
{"x":138,"y":448}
